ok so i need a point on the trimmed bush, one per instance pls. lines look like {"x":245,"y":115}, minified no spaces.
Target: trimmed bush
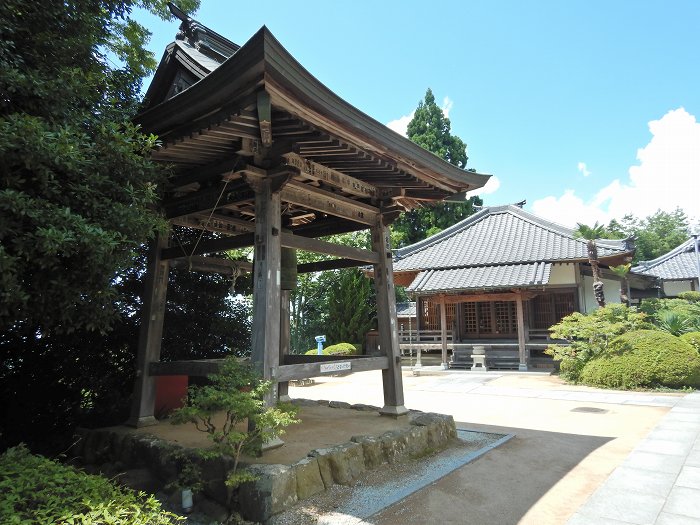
{"x":339,"y":349}
{"x":34,"y":489}
{"x":691,"y":297}
{"x":693,"y":339}
{"x":644,"y":359}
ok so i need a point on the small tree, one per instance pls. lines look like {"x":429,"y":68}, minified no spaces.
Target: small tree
{"x":622,"y":271}
{"x":221,"y":409}
{"x":590,"y":334}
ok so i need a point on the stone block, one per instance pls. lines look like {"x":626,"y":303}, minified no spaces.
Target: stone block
{"x":308,"y":476}
{"x":274,"y":491}
{"x":372,"y":450}
{"x":394,"y":446}
{"x":345,"y":463}
{"x":339,"y":404}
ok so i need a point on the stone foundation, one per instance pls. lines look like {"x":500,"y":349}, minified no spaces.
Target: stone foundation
{"x":278,"y":487}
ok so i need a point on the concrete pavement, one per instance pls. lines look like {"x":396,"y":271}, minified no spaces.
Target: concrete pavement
{"x":568,"y":441}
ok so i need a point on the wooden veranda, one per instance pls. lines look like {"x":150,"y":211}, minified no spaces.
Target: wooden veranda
{"x":266,"y":156}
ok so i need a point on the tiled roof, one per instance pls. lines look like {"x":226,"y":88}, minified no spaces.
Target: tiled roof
{"x":481,"y":277}
{"x":406,"y":309}
{"x":678,"y":264}
{"x":496,"y":236}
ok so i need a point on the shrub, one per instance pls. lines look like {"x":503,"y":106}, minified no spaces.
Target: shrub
{"x":693,"y":339}
{"x":238,"y":393}
{"x":339,"y":349}
{"x":590,"y":334}
{"x":34,"y":489}
{"x":691,"y":297}
{"x":644,"y":358}
{"x":684,"y":314}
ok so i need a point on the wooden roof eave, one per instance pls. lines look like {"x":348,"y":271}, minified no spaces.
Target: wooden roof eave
{"x":262,"y":61}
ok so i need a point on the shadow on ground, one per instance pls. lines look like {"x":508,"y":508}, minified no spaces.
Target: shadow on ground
{"x":502,"y":487}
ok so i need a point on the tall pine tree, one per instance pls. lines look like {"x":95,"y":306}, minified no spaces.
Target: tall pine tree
{"x":430,"y":129}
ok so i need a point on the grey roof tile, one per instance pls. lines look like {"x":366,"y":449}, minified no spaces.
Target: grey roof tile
{"x":481,"y":277}
{"x":496,"y":236}
{"x":406,"y":309}
{"x":678,"y":264}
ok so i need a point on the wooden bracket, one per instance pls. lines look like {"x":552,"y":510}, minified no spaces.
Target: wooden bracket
{"x":265,"y":117}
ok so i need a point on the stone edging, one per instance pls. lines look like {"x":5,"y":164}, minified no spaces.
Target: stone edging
{"x":278,"y":487}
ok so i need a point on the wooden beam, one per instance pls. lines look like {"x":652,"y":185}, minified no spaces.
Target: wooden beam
{"x":304,"y":370}
{"x":207,"y":199}
{"x":215,"y":222}
{"x":443,"y":332}
{"x":212,"y":265}
{"x":329,"y":248}
{"x":330,"y":203}
{"x":392,"y":380}
{"x":522,"y":348}
{"x":318,"y":172}
{"x":285,"y":336}
{"x":212,"y":246}
{"x":332,"y":264}
{"x":266,"y":282}
{"x":476,"y":298}
{"x":150,"y":334}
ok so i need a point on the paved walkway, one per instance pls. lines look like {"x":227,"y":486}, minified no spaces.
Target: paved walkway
{"x":659,"y":482}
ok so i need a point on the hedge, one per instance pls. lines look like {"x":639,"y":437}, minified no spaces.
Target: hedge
{"x":339,"y":349}
{"x":34,"y":489}
{"x":644,"y":359}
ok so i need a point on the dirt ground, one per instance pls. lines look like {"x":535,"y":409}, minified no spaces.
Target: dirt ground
{"x":321,"y":426}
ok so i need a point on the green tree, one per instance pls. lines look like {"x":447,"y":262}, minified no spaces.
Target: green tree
{"x":590,"y":234}
{"x":76,"y":205}
{"x":654,"y":235}
{"x":430,"y":129}
{"x":351,"y":307}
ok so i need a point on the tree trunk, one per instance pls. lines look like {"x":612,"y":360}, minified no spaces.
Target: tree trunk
{"x":597,"y":282}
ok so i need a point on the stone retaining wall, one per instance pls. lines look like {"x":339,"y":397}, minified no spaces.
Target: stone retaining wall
{"x":278,"y":487}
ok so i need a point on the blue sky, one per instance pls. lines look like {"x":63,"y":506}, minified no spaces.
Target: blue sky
{"x":586,"y":109}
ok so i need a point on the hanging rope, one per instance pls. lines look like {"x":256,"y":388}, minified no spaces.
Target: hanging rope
{"x":206,"y":224}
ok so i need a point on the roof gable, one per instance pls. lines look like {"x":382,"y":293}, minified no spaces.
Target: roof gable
{"x":679,"y":264}
{"x":498,"y":236}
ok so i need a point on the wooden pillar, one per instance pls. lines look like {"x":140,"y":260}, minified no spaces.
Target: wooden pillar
{"x":522,"y":348}
{"x":443,"y":331}
{"x":386,"y":321}
{"x":150,"y":334}
{"x":266,"y":281}
{"x":283,"y":387}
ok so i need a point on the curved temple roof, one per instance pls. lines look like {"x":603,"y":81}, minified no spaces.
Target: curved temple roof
{"x":210,"y":112}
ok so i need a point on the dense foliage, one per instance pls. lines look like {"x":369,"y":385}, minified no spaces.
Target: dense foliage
{"x":644,"y":359}
{"x":654,"y":235}
{"x":34,"y":489}
{"x":693,"y":339}
{"x":76,"y":205}
{"x":589,"y":335}
{"x":676,"y":316}
{"x":430,"y":129}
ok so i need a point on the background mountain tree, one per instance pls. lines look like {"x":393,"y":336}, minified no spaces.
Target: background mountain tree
{"x":430,"y":129}
{"x":654,"y":235}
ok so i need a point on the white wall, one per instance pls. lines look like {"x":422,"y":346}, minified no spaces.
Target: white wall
{"x":563,"y":274}
{"x":673,"y":288}
{"x":611,"y":289}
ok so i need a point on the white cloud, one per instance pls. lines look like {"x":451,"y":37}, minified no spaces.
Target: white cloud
{"x":401,"y":124}
{"x":667,"y":176}
{"x":490,"y":187}
{"x":447,"y":104}
{"x":583,"y":169}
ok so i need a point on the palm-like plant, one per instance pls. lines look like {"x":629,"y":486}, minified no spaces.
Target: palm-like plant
{"x":591,"y":233}
{"x":621,"y":271}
